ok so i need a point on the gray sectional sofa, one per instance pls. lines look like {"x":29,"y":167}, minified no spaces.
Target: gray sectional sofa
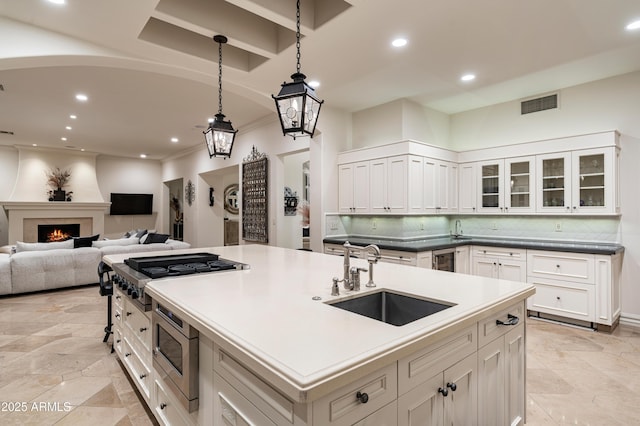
{"x":43,"y":266}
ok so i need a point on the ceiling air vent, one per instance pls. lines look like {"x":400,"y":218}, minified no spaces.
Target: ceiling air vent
{"x":539,"y":104}
{"x":1,"y":88}
{"x":6,"y":132}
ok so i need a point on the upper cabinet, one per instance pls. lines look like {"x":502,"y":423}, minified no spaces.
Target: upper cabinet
{"x":579,"y":182}
{"x":353,"y":187}
{"x":529,"y":178}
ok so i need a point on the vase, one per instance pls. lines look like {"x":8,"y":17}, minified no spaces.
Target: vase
{"x":59,"y":195}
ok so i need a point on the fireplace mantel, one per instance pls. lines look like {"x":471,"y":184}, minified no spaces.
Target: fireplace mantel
{"x":20,"y":213}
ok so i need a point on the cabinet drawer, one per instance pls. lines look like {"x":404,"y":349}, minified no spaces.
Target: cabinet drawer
{"x":571,"y":300}
{"x":140,"y":373}
{"x":399,"y":257}
{"x":342,"y":407}
{"x":499,"y":252}
{"x":420,"y":366}
{"x":232,"y":408}
{"x":139,"y":325}
{"x":489,"y":328}
{"x":166,"y":408}
{"x":575,"y":267}
{"x":266,"y":398}
{"x":118,"y":299}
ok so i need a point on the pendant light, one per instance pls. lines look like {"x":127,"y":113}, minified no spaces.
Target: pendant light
{"x":297,"y":105}
{"x":220,"y":134}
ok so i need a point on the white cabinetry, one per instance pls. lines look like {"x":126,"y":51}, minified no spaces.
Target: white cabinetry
{"x":579,"y":182}
{"x":490,"y":186}
{"x":440,"y":186}
{"x":463,"y":260}
{"x":353,"y":187}
{"x":438,"y":385}
{"x":506,"y":185}
{"x":388,"y":188}
{"x":468,"y":188}
{"x":496,"y":262}
{"x":501,"y":368}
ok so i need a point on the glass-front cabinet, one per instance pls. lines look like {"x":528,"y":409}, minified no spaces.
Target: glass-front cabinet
{"x":554,"y":193}
{"x":519,"y":188}
{"x":582,"y":182}
{"x":491,"y":174}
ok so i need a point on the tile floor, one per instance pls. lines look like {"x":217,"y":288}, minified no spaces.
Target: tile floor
{"x":55,"y":368}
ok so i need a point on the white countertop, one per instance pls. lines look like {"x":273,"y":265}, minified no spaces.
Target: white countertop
{"x":266,"y":316}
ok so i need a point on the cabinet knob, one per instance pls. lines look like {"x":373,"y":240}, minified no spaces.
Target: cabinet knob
{"x":128,"y":354}
{"x":129,"y":313}
{"x":557,"y":297}
{"x":117,"y":315}
{"x":143,"y":329}
{"x":362,"y":397}
{"x":163,"y":405}
{"x":444,"y":392}
{"x":558,"y":266}
{"x":118,"y":341}
{"x":142,"y":376}
{"x":452,"y":386}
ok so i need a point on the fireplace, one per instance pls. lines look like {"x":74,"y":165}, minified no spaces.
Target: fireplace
{"x":57,"y":232}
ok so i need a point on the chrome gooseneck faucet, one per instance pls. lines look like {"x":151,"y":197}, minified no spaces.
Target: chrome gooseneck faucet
{"x":351,"y":275}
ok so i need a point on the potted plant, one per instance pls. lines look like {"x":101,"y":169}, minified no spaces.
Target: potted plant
{"x":58,"y":179}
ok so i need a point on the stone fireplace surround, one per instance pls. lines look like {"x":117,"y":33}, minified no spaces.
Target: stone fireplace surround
{"x":24,"y":217}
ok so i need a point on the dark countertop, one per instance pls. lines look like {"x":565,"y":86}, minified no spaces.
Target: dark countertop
{"x":438,"y":243}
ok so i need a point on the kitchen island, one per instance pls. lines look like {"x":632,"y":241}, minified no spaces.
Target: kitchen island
{"x":273,"y":351}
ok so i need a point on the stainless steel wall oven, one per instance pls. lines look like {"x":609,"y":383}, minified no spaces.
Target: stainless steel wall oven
{"x":175,"y":354}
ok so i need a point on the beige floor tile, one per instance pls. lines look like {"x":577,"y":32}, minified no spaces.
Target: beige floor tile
{"x":75,"y":391}
{"x":26,"y":388}
{"x":93,"y":416}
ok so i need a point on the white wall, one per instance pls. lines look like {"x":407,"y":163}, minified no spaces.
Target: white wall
{"x":291,"y":231}
{"x":128,"y":175}
{"x":8,"y":174}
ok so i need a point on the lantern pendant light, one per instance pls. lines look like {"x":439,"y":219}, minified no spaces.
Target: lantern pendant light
{"x":297,"y":104}
{"x":220,"y":134}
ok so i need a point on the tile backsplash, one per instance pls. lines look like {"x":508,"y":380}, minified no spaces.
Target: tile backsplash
{"x":596,"y":229}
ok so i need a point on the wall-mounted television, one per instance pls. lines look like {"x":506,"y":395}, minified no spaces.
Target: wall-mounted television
{"x":125,"y":204}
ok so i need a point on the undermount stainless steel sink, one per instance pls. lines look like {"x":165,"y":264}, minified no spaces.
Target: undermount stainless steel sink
{"x":392,"y":308}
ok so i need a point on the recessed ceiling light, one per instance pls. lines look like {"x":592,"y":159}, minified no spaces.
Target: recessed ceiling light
{"x":174,"y":140}
{"x":57,"y":1}
{"x":399,"y":42}
{"x":73,"y":117}
{"x":314,"y":83}
{"x":143,"y":155}
{"x":82,"y":97}
{"x":34,"y":144}
{"x":68,"y":127}
{"x":63,"y":139}
{"x":633,"y":26}
{"x":468,"y":77}
{"x":82,"y":149}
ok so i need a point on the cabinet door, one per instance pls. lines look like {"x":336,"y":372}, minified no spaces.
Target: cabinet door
{"x":452,"y":188}
{"x":430,"y":185}
{"x":397,"y":184}
{"x":461,"y":404}
{"x":514,"y":375}
{"x":361,"y":187}
{"x":378,"y":185}
{"x":415,"y":181}
{"x":593,"y":181}
{"x":345,"y":188}
{"x":514,"y":271}
{"x":554,"y":183}
{"x":485,"y":267}
{"x":491,"y":383}
{"x":468,"y":188}
{"x":520,"y":185}
{"x":422,"y":406}
{"x":462,"y":260}
{"x":490,"y":186}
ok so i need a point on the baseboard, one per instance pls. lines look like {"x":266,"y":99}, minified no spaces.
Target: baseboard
{"x":630,"y":320}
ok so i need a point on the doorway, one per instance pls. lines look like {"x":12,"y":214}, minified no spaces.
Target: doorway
{"x":294,"y":232}
{"x":174,"y":209}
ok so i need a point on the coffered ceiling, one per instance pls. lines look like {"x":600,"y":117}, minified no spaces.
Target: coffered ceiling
{"x":149,"y":67}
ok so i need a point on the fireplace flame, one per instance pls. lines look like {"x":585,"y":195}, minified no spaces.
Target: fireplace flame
{"x":57,"y":235}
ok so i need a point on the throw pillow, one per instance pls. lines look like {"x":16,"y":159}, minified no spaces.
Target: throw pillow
{"x":156,"y":238}
{"x":20,"y":246}
{"x":118,"y":242}
{"x":140,"y":233}
{"x":84,"y":241}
